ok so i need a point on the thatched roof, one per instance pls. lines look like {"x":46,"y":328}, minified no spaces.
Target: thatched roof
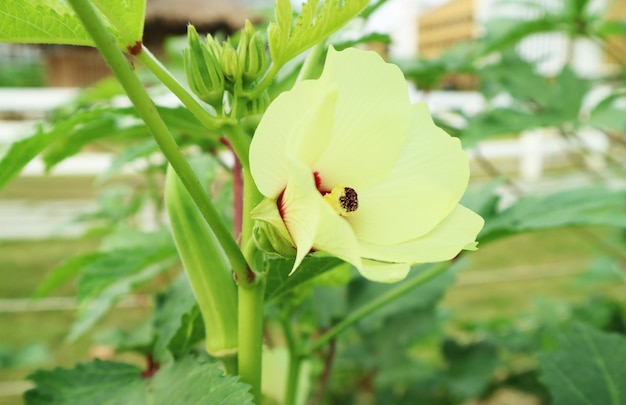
{"x":170,"y":17}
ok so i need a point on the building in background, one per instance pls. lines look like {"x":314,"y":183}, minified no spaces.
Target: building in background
{"x":457,"y":21}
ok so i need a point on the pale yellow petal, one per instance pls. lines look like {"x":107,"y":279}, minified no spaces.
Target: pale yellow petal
{"x":424,"y":186}
{"x":267,"y":211}
{"x":297,"y":124}
{"x":371,"y":119}
{"x":335,"y":236}
{"x":453,"y":234}
{"x":384,"y":272}
{"x":300,"y":207}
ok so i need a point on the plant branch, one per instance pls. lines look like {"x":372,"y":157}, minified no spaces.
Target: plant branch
{"x":160,"y":72}
{"x":107,"y":46}
{"x":379,"y":302}
{"x":308,"y":67}
{"x":265,"y":81}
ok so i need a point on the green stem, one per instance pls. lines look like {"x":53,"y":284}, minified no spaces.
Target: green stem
{"x":252,"y":292}
{"x":265,"y":81}
{"x":188,"y":100}
{"x":379,"y":302}
{"x":240,"y":143}
{"x":251,"y":299}
{"x":230,"y":364}
{"x":307,"y":69}
{"x":251,"y":198}
{"x":108,"y":47}
{"x":295,"y":360}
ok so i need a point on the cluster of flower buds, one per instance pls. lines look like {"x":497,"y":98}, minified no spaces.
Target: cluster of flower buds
{"x":213,"y":67}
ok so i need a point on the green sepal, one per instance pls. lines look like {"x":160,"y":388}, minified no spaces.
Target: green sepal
{"x":230,"y":64}
{"x":203,"y":68}
{"x":251,"y":54}
{"x":269,"y":232}
{"x":207,"y":268}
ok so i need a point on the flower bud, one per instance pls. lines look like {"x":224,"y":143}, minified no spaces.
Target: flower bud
{"x":230,"y":63}
{"x":269,"y":240}
{"x":269,"y":232}
{"x":257,"y":106}
{"x":251,"y":54}
{"x":203,"y":69}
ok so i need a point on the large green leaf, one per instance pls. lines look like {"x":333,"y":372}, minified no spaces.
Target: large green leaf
{"x":582,"y":206}
{"x":187,"y":381}
{"x":112,"y":274}
{"x":99,"y":382}
{"x":54,"y":22}
{"x":587,"y":368}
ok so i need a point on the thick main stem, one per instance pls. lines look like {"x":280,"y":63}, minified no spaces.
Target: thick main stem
{"x":107,"y":46}
{"x":251,"y":295}
{"x":251,"y":299}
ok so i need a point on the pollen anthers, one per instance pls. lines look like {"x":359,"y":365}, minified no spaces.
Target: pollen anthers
{"x":343,"y":199}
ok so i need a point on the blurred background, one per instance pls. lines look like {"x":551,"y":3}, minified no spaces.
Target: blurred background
{"x":535,"y":90}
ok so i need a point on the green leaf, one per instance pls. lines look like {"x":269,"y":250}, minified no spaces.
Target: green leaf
{"x":20,"y":153}
{"x":177,"y":322}
{"x":85,"y":127}
{"x":587,"y":368}
{"x":41,"y":22}
{"x":63,"y":273}
{"x":187,"y":381}
{"x":111,"y":275}
{"x":610,"y":113}
{"x":312,"y":26}
{"x":470,"y":366}
{"x":504,"y":33}
{"x":99,"y":382}
{"x":483,"y":200}
{"x":31,"y":354}
{"x":54,"y":22}
{"x":189,"y":334}
{"x":80,"y":128}
{"x":279,"y":282}
{"x":139,"y":339}
{"x":128,"y":155}
{"x":191,"y":382}
{"x":581,"y":206}
{"x":609,"y":28}
{"x":364,"y":39}
{"x":127,"y":18}
{"x":362,"y":291}
{"x":498,"y":122}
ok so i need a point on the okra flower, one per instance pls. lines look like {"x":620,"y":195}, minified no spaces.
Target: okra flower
{"x":349,"y":167}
